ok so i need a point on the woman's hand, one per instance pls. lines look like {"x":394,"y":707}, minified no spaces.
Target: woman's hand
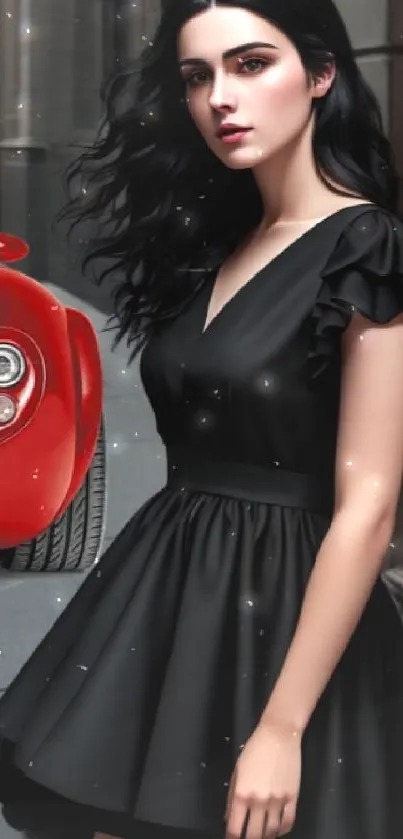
{"x":265,"y":786}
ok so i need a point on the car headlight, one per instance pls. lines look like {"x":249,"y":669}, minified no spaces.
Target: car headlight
{"x":12,"y":365}
{"x":8,"y":410}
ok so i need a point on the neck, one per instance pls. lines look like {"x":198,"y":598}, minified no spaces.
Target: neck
{"x":290,"y":186}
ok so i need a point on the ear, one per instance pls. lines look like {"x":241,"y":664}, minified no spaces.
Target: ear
{"x":322,"y":83}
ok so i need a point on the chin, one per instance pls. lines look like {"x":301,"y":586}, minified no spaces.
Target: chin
{"x":244,"y":156}
{"x":241,"y":159}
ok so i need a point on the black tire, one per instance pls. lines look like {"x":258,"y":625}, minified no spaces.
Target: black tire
{"x":73,"y":542}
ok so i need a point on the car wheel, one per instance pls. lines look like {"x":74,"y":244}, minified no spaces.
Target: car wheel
{"x":73,"y":542}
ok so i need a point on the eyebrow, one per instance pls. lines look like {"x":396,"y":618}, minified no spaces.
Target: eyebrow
{"x":234,"y":51}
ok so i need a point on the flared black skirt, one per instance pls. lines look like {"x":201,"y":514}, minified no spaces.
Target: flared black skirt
{"x":137,"y":702}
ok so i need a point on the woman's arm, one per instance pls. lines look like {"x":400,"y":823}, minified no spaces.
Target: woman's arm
{"x":368,"y":475}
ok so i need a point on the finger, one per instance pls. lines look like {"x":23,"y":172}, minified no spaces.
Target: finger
{"x":287,"y":820}
{"x":237,"y":817}
{"x":255,"y":828}
{"x":273,"y":820}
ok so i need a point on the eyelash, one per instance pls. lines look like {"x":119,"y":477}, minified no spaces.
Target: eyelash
{"x":191,"y":80}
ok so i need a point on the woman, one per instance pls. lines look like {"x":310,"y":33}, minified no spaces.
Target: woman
{"x":235,"y":653}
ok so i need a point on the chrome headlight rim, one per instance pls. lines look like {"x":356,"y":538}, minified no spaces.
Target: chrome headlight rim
{"x":17,"y":358}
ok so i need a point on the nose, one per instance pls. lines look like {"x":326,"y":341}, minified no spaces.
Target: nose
{"x":222,"y":96}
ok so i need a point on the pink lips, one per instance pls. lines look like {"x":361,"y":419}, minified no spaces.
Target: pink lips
{"x":236,"y":137}
{"x":232,"y":133}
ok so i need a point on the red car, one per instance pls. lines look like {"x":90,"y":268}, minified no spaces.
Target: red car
{"x":52,"y":447}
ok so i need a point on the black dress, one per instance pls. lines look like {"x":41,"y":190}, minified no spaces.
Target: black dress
{"x":138,"y":700}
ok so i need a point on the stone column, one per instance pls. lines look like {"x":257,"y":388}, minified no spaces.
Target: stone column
{"x":23,"y":127}
{"x":52,"y":61}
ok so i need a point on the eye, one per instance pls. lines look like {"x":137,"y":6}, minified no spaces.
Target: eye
{"x":197,"y":78}
{"x":252,"y":65}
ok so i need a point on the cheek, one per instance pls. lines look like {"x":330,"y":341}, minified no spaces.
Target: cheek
{"x":286,"y":92}
{"x":198,"y":111}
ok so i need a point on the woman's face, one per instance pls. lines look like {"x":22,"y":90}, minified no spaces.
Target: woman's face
{"x":241,"y":71}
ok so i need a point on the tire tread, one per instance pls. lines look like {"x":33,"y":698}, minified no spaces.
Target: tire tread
{"x":74,"y":540}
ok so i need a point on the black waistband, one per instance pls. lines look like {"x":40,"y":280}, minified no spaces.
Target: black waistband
{"x":189,"y":471}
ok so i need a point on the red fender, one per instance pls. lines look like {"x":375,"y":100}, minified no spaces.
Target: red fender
{"x":50,"y":412}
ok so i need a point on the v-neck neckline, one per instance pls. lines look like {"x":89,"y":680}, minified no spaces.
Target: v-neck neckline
{"x":210,"y":285}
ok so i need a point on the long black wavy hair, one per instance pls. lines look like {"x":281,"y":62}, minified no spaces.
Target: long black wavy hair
{"x":167,"y":211}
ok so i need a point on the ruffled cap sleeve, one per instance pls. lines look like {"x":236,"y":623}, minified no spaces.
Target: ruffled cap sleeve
{"x":364,"y":274}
